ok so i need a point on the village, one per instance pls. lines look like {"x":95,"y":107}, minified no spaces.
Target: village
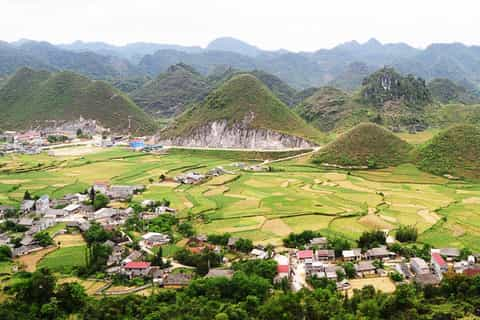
{"x":74,"y":133}
{"x":381,"y":263}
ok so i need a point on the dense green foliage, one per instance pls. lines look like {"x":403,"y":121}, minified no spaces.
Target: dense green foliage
{"x":263,"y":268}
{"x":43,"y":238}
{"x":454,"y":151}
{"x":37,"y":296}
{"x":202,"y":262}
{"x":5,"y":253}
{"x":447,"y":91}
{"x":294,"y":240}
{"x":30,"y":98}
{"x":406,"y":234}
{"x":242,"y":100}
{"x":365,"y":145}
{"x":330,"y":108}
{"x":388,"y":85}
{"x":100,"y":201}
{"x":371,"y":239}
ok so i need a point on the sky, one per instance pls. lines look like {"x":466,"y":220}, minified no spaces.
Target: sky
{"x":295,"y":25}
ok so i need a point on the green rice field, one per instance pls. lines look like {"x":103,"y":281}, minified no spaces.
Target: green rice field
{"x":265,"y":206}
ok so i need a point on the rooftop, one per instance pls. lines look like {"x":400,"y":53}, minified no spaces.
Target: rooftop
{"x":137,"y":265}
{"x":304,"y":254}
{"x":438,"y":259}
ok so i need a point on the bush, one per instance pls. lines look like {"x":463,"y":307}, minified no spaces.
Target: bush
{"x":100,"y":201}
{"x":300,"y":239}
{"x":407,"y":234}
{"x":371,"y":239}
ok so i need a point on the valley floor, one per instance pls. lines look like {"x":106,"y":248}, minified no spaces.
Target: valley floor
{"x":265,"y":206}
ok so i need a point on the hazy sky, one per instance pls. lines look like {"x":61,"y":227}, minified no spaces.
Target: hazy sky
{"x":269,"y":24}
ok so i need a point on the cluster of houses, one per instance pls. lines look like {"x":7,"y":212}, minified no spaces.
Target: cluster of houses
{"x":195,"y":177}
{"x":73,"y":210}
{"x":30,"y":141}
{"x":323,"y":263}
{"x":117,"y":192}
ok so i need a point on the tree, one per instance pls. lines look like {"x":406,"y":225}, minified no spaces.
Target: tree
{"x":300,"y":239}
{"x":100,"y":201}
{"x":244,"y":245}
{"x":38,"y":288}
{"x":5,"y":253}
{"x":186,"y":229}
{"x":43,"y":238}
{"x":96,"y":233}
{"x":150,"y":180}
{"x":157,"y":259}
{"x":71,"y":297}
{"x":350,"y":271}
{"x":396,"y":276}
{"x":338,"y":245}
{"x":79,"y":133}
{"x":27,"y":196}
{"x":406,"y":234}
{"x":92,"y":194}
{"x":371,"y":239}
{"x":263,"y":268}
{"x":161,"y":178}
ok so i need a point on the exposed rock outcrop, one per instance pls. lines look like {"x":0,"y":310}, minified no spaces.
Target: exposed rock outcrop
{"x":218,"y":134}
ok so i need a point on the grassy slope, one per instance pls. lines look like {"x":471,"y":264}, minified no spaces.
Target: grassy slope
{"x":31,"y":97}
{"x":454,"y":151}
{"x":170,"y":93}
{"x":364,"y":143}
{"x":238,"y":99}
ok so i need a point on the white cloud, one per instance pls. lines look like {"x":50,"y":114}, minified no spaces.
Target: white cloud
{"x":269,"y":24}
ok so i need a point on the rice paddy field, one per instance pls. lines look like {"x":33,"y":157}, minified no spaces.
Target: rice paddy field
{"x":265,"y":206}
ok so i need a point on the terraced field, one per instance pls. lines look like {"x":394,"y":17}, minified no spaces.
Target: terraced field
{"x":266,"y":206}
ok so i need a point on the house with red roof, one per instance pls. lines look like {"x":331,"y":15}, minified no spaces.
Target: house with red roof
{"x":283,"y":271}
{"x":472,"y":272}
{"x":438,"y":264}
{"x":136,"y":269}
{"x":305,"y":254}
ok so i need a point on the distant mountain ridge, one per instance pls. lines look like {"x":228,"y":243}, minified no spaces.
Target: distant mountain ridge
{"x":341,"y":66}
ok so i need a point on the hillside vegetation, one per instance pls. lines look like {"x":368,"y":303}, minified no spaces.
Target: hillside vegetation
{"x":447,"y":91}
{"x":330,"y":108}
{"x":454,"y":151}
{"x":365,"y":145}
{"x":31,"y":98}
{"x":242,"y":99}
{"x":171,"y":92}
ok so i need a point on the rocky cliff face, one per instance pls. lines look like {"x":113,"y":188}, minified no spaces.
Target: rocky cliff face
{"x":218,"y":134}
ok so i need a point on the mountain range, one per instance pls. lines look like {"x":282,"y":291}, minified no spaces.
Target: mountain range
{"x":343,"y":66}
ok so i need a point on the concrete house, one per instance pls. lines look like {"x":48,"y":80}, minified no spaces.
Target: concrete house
{"x":176,"y":281}
{"x":43,"y":203}
{"x":450,"y":253}
{"x":352,"y":255}
{"x":365,"y":269}
{"x":439,"y":265}
{"x":283,"y":272}
{"x":219,"y":273}
{"x":136,"y":269}
{"x":153,"y":239}
{"x":101,"y":186}
{"x":379,"y":253}
{"x":419,"y":266}
{"x":27,"y":206}
{"x":325,"y":255}
{"x":320,"y":242}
